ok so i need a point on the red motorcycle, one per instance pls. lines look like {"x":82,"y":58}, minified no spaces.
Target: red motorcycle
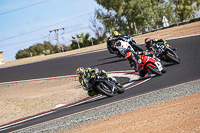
{"x":150,"y":65}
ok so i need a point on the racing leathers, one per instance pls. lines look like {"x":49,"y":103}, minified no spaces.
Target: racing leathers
{"x":90,"y":74}
{"x":126,"y":38}
{"x":111,"y":44}
{"x":129,"y":39}
{"x":134,"y":59}
{"x":156,"y":42}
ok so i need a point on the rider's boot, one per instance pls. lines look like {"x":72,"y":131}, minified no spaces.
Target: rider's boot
{"x":142,"y":73}
{"x":91,"y":92}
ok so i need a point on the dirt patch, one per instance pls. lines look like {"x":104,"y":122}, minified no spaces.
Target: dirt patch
{"x":25,"y":99}
{"x":183,"y":30}
{"x":181,"y":115}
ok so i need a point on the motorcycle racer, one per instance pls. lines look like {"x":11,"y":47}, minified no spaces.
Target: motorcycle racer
{"x":111,"y":46}
{"x":124,"y":37}
{"x":85,"y":75}
{"x":134,"y":59}
{"x":149,"y":43}
{"x":111,"y":40}
{"x":118,"y":47}
{"x":117,"y":37}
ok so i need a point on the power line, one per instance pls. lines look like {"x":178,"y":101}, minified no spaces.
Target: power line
{"x":13,"y":49}
{"x":44,"y":27}
{"x":22,"y":42}
{"x":82,"y":28}
{"x":24,"y":7}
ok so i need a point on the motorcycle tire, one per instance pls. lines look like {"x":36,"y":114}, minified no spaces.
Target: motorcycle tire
{"x":164,"y":70}
{"x":120,"y":89}
{"x":154,"y":70}
{"x":103,"y":89}
{"x":173,"y":59}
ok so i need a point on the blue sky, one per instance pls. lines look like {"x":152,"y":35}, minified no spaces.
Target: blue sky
{"x":21,"y":28}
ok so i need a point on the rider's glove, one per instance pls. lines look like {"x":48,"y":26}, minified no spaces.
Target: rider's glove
{"x":96,"y":71}
{"x":93,"y":76}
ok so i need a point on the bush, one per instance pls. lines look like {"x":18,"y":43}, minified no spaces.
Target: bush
{"x":37,"y":49}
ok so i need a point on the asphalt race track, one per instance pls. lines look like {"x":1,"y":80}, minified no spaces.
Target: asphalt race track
{"x":188,"y":49}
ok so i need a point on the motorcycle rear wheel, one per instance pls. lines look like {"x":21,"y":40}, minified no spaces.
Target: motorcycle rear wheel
{"x":154,"y":70}
{"x":103,"y":89}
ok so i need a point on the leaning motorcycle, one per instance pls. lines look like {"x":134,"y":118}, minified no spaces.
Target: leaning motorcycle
{"x":105,"y":86}
{"x":165,"y":53}
{"x":150,"y":65}
{"x":123,"y":47}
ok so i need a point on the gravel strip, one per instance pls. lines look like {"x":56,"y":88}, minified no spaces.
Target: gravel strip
{"x":130,"y":104}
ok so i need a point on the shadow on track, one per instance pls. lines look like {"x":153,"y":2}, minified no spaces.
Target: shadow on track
{"x":108,"y":58}
{"x":109,"y":62}
{"x":169,"y":64}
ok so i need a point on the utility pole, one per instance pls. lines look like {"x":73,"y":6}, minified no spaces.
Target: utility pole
{"x":92,"y":42}
{"x":60,"y":48}
{"x":57,"y":39}
{"x":135,"y":28}
{"x":76,"y":38}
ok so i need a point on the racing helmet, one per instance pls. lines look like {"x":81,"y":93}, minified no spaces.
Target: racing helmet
{"x":80,"y":72}
{"x":129,"y":56}
{"x":148,"y":42}
{"x":116,"y":33}
{"x":109,"y":38}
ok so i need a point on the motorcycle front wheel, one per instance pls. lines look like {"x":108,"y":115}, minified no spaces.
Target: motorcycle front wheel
{"x":154,"y":70}
{"x":103,"y":89}
{"x":164,"y":70}
{"x":173,"y":59}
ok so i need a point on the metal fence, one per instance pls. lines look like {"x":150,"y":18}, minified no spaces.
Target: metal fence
{"x":173,"y":25}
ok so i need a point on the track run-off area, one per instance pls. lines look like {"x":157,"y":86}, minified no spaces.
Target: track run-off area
{"x":188,"y":70}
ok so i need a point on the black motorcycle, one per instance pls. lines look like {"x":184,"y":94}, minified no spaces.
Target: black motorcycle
{"x":165,"y":53}
{"x":105,"y":86}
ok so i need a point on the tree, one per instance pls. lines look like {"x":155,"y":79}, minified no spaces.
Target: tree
{"x":37,"y":49}
{"x":123,"y":15}
{"x":99,"y":29}
{"x":185,"y":9}
{"x":22,"y":54}
{"x":160,"y":9}
{"x":84,"y":41}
